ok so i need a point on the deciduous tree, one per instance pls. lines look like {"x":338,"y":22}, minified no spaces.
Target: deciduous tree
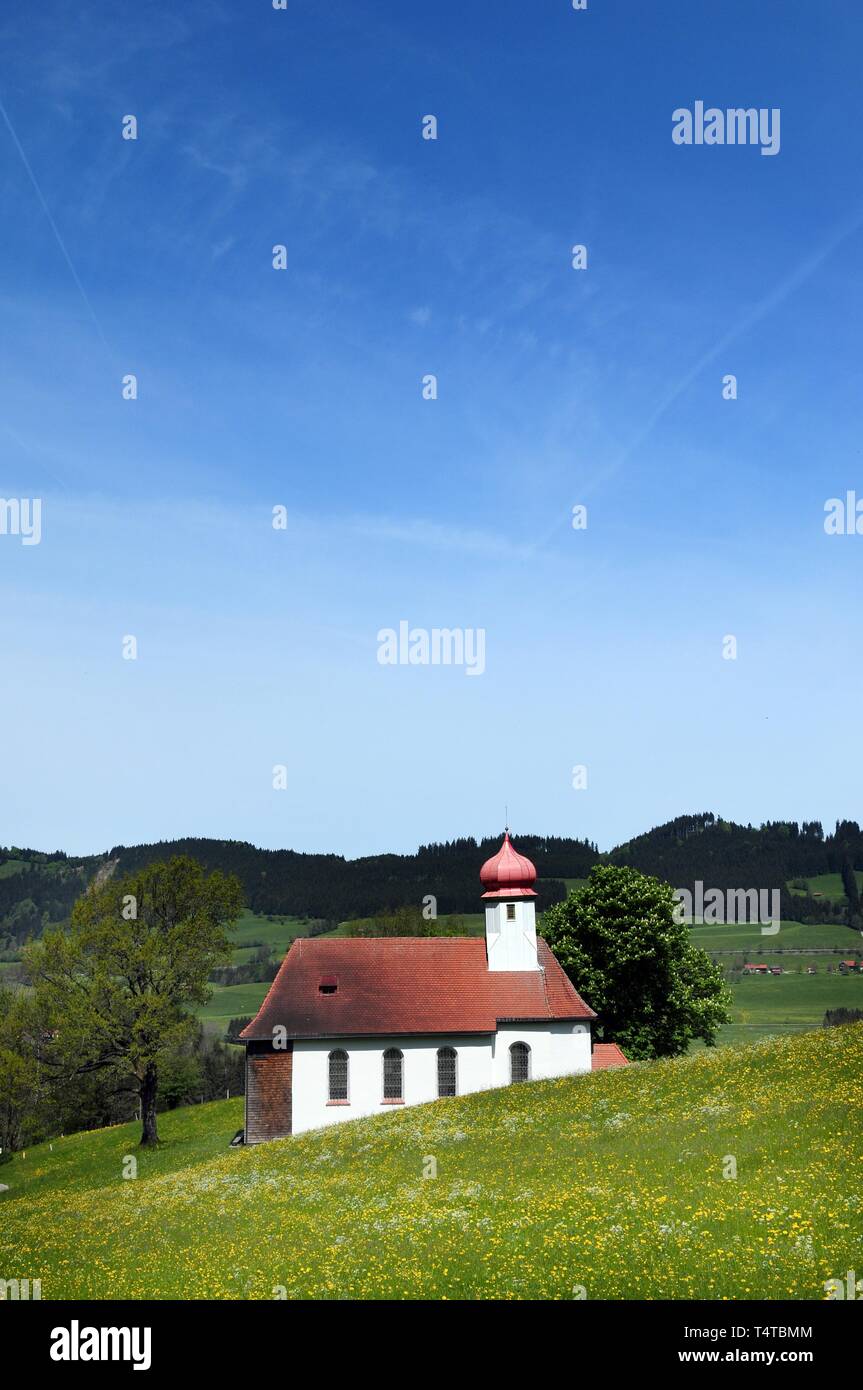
{"x":117,"y":987}
{"x":618,"y":941}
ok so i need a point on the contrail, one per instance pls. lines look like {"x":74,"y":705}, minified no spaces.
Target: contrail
{"x":765,"y":306}
{"x":54,"y":229}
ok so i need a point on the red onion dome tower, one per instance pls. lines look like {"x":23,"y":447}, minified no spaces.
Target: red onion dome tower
{"x":510,"y":917}
{"x":508,"y":874}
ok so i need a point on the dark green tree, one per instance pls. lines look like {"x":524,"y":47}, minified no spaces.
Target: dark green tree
{"x":116,"y":989}
{"x":619,"y":942}
{"x":852,"y":894}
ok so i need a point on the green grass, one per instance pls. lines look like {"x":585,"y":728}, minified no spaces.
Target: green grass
{"x":472,"y":924}
{"x":746,"y":937}
{"x":788,"y":1003}
{"x":612,"y":1181}
{"x":79,"y":1162}
{"x":243,"y":954}
{"x":230,"y":1001}
{"x":829,"y":885}
{"x":571,"y":884}
{"x":251,"y":929}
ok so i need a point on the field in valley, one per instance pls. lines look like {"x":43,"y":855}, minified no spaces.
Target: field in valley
{"x":610,"y":1183}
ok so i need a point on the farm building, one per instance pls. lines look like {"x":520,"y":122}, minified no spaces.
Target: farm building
{"x":352,"y":1026}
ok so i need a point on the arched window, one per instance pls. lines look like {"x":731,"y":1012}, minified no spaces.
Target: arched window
{"x":393,"y":1074}
{"x":338,"y":1075}
{"x":446,"y":1077}
{"x":519,"y":1062}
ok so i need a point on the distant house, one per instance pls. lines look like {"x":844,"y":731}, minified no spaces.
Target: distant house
{"x":756,"y":970}
{"x":776,"y":970}
{"x":354,"y":1025}
{"x":849,"y":967}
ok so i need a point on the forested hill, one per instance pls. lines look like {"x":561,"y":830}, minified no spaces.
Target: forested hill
{"x":330,"y":886}
{"x":726,"y":855}
{"x":37,"y":888}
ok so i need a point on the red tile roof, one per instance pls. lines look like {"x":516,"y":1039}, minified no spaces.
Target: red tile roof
{"x":607,"y":1055}
{"x":405,"y":984}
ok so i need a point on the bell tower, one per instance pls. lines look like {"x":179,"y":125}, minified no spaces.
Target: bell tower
{"x":510,"y":915}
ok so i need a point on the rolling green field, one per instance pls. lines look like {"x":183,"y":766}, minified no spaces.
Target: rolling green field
{"x":472,"y":924}
{"x":250,"y":930}
{"x":829,"y":885}
{"x":745,"y":936}
{"x":606,"y":1186}
{"x":230,"y":1001}
{"x":798,"y":1002}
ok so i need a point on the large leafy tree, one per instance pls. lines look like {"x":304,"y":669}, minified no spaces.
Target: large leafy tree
{"x":115,"y":989}
{"x":20,"y":1087}
{"x":619,"y":942}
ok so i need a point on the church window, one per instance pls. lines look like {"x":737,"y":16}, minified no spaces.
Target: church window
{"x":393,"y":1074}
{"x":519,"y":1062}
{"x":338,"y":1075}
{"x":446,"y":1071}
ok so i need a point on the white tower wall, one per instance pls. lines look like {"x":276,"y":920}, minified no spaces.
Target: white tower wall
{"x":510,"y":934}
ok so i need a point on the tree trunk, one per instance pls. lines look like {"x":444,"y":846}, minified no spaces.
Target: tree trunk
{"x":149,"y":1134}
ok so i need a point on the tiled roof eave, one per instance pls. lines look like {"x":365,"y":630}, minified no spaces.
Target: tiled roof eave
{"x":297,"y":1036}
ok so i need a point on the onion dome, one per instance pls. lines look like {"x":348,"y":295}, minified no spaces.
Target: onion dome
{"x":508,"y":874}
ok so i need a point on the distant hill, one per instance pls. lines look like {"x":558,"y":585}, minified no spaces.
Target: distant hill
{"x":724,"y":855}
{"x":37,"y":888}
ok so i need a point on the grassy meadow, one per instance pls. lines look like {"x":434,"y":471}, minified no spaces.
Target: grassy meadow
{"x":796,"y":1002}
{"x":252,"y":930}
{"x":747,"y":937}
{"x":611,"y":1183}
{"x":828,"y":885}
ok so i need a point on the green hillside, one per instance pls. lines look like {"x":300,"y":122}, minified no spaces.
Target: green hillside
{"x":253,"y":929}
{"x":748,"y":937}
{"x":787,"y":1003}
{"x":612,"y":1181}
{"x":826,"y":886}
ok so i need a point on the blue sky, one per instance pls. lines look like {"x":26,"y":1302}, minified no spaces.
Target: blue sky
{"x":302,"y":388}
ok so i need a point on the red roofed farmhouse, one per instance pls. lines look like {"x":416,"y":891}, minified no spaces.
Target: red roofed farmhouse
{"x":352,"y":1026}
